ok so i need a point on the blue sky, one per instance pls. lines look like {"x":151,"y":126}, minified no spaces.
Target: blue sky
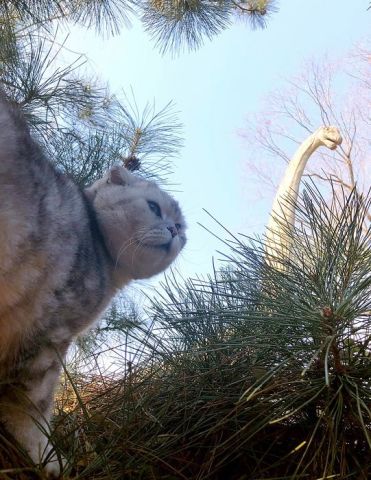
{"x":214,"y":90}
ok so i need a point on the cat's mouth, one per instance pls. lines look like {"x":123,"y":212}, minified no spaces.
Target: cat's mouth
{"x":163,"y":246}
{"x":166,"y":246}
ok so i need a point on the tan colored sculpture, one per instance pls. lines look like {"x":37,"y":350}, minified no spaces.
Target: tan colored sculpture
{"x":276,"y":235}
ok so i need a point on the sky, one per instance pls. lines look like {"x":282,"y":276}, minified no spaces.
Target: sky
{"x":214,"y":89}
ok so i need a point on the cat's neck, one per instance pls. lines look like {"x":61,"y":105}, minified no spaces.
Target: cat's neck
{"x":119,"y":279}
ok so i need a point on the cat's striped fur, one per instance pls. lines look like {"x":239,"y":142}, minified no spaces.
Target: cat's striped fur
{"x":63,"y":255}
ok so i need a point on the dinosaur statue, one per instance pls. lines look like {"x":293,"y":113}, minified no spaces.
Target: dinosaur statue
{"x":276,"y":234}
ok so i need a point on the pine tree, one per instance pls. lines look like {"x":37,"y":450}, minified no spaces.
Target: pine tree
{"x":177,"y":24}
{"x":255,"y":372}
{"x":82,"y":126}
{"x":80,"y":123}
{"x":268,"y":370}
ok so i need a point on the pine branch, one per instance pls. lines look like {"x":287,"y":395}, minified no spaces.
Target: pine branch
{"x":103,"y":15}
{"x":144,"y":141}
{"x":175,"y":25}
{"x":297,"y":338}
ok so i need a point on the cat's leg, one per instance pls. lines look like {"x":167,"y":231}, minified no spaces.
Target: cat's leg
{"x":26,"y":409}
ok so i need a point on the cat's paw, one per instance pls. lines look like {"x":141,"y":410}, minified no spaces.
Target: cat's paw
{"x":329,"y":137}
{"x":54,"y":467}
{"x":53,"y":470}
{"x":44,"y":455}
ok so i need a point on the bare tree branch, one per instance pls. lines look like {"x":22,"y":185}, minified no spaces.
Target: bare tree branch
{"x":324,"y":94}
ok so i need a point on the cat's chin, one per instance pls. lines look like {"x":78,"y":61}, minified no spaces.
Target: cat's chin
{"x":162,"y":247}
{"x":149,"y":260}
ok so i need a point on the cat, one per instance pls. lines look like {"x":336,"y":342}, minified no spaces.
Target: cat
{"x":64,"y":253}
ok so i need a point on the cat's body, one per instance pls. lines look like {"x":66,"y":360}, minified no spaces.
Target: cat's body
{"x":63,"y":255}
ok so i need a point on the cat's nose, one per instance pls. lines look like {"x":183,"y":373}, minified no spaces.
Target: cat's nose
{"x":173,"y":230}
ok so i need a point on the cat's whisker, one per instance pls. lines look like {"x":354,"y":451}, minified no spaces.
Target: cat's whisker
{"x":134,"y":252}
{"x":131,"y":241}
{"x":124,"y":247}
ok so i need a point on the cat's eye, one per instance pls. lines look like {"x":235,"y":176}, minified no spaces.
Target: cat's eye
{"x":178,"y":226}
{"x":155,"y":208}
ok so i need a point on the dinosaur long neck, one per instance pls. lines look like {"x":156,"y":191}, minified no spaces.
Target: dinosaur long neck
{"x":276,"y":236}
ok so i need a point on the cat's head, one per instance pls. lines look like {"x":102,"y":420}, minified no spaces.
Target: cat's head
{"x":143,"y":227}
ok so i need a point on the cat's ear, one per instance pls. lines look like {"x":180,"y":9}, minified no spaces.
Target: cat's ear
{"x":118,"y":175}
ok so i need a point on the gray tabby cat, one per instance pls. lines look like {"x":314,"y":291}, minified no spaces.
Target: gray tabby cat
{"x":64,"y":253}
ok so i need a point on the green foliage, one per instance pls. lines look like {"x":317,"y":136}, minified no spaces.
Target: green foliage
{"x":146,"y":141}
{"x":172,"y":23}
{"x":104,"y":15}
{"x":178,"y":24}
{"x":83,"y":127}
{"x":258,"y":372}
